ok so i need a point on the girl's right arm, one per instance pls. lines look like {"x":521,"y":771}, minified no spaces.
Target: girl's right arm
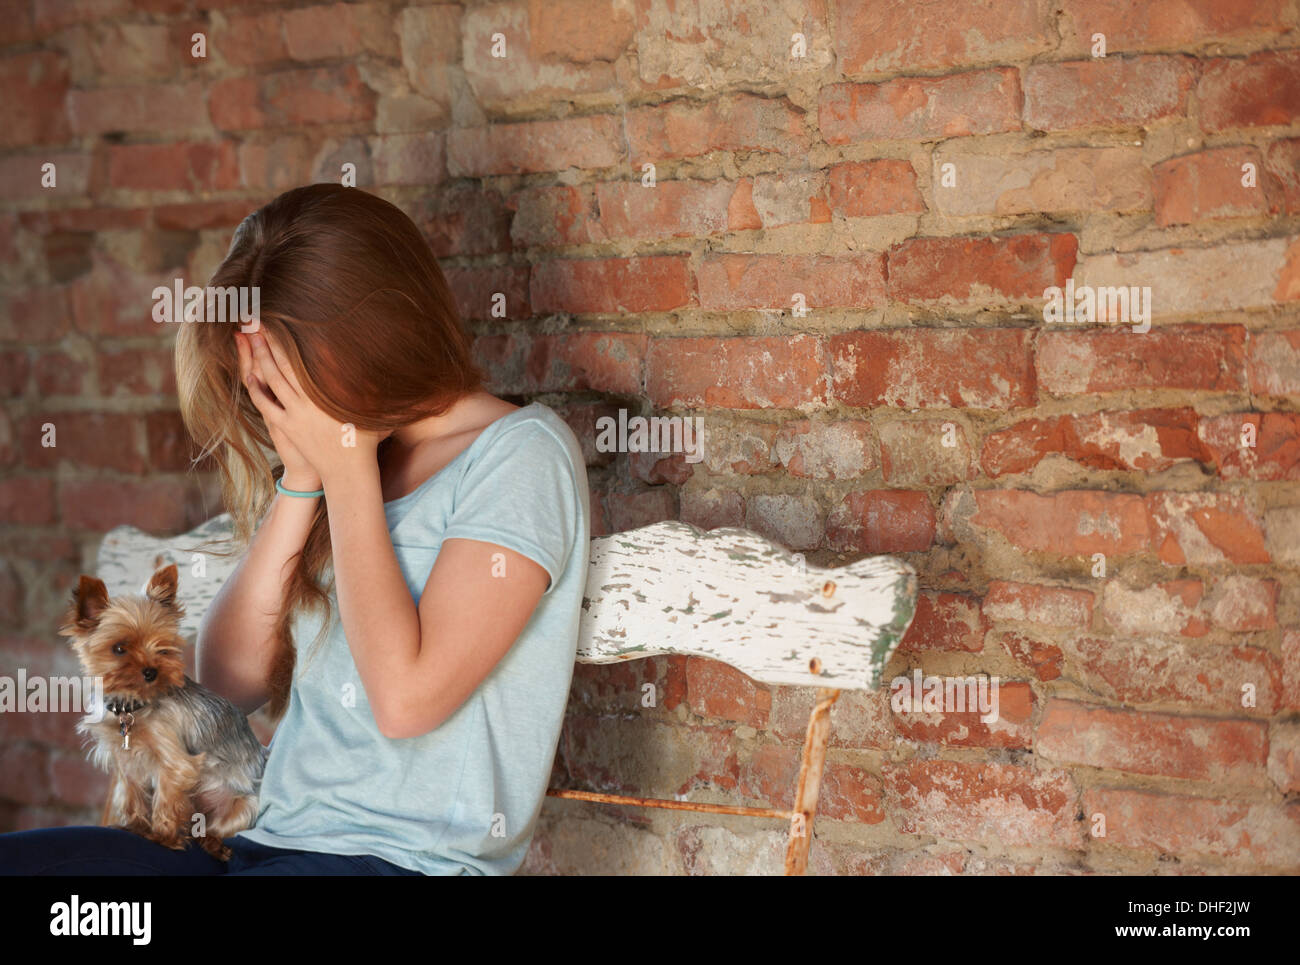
{"x":236,"y":646}
{"x":235,"y":641}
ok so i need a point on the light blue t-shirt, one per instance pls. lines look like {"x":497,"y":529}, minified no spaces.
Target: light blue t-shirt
{"x":464,"y":798}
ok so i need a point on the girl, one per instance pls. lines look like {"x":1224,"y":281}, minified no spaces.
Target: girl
{"x":410,"y":601}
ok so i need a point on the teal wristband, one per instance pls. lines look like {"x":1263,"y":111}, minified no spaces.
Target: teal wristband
{"x":293,"y":492}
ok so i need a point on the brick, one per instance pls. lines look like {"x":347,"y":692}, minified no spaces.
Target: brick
{"x":609,"y":362}
{"x":1266,"y":835}
{"x":35,"y":315}
{"x":934,"y":368}
{"x":201,"y":215}
{"x":996,"y":803}
{"x":777,"y":372}
{"x":154,"y":505}
{"x":916,"y":453}
{"x":638,"y":755}
{"x":1207,"y":186}
{"x":731,"y":282}
{"x":1111,"y":92}
{"x":715,"y":689}
{"x":1182,"y":674}
{"x":737,"y":122}
{"x":1192,"y":357}
{"x":745,"y":448}
{"x":670,"y":209}
{"x":579,"y":30}
{"x":1243,"y":603}
{"x":335,"y":30}
{"x":772,"y":772}
{"x":859,"y":718}
{"x":1194,"y":281}
{"x":911,"y":108}
{"x":58,"y":373}
{"x":1284,"y":757}
{"x":76,"y":782}
{"x":288,"y":98}
{"x":862,"y":189}
{"x":655,"y":283}
{"x":475,"y":291}
{"x":711,"y":508}
{"x":1274,"y":363}
{"x":1169,"y":23}
{"x":579,"y":142}
{"x":1282,"y":529}
{"x":1260,"y":91}
{"x":1081,"y":179}
{"x":825,"y":450}
{"x":418,"y":159}
{"x":629,"y":511}
{"x":174,"y":167}
{"x":1040,"y":656}
{"x":1051,"y":606}
{"x":251,"y":40}
{"x":21,"y":174}
{"x":966,"y":728}
{"x":890,"y":37}
{"x":1144,"y":440}
{"x":793,"y":521}
{"x":774,"y":200}
{"x":276,"y":164}
{"x":529,"y":69}
{"x":1282,"y":160}
{"x":980,"y":269}
{"x":1062,"y":524}
{"x":94,"y":440}
{"x":946,"y":622}
{"x":1205,"y":529}
{"x":882,"y":521}
{"x":1165,"y":745}
{"x":145,"y":108}
{"x":35,"y":85}
{"x":127,"y":372}
{"x":1170,"y":608}
{"x":465,"y":218}
{"x":1290,"y":669}
{"x":704,"y":46}
{"x":554,"y":215}
{"x":1274,"y":452}
{"x":26,"y":500}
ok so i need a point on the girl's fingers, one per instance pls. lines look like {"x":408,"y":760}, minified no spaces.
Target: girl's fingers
{"x":283,"y":366}
{"x":269,"y":371}
{"x":257,"y":390}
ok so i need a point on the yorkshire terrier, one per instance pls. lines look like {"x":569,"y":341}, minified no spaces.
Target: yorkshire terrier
{"x":175,"y":749}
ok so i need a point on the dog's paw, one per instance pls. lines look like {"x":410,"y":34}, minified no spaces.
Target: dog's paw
{"x":215,"y":847}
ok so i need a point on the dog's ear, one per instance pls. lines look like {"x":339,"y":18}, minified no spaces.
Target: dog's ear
{"x":89,"y":598}
{"x":161,"y":587}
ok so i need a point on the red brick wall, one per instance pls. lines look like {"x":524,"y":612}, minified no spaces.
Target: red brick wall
{"x":825,"y":175}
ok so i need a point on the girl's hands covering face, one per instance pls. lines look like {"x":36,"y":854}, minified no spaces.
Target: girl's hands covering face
{"x":311,"y":443}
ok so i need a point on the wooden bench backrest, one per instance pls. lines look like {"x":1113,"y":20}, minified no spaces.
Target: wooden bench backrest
{"x":670,"y":588}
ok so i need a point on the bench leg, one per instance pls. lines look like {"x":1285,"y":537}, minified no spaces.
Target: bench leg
{"x":810,"y":779}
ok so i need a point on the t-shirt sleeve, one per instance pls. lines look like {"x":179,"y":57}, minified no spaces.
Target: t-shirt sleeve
{"x":521,"y":494}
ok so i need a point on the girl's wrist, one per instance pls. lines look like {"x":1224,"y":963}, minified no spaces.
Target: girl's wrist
{"x":300,"y":482}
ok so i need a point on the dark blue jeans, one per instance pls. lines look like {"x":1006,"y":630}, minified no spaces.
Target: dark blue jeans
{"x":114,"y":851}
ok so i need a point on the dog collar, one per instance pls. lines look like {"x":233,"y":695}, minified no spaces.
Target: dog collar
{"x":122,"y":705}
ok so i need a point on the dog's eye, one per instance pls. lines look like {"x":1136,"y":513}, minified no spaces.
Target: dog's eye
{"x":166,"y":653}
{"x":119,"y":648}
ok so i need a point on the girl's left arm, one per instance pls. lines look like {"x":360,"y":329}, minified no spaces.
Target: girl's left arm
{"x":418,"y":664}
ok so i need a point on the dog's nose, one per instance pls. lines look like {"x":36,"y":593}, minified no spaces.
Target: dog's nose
{"x":150,"y":674}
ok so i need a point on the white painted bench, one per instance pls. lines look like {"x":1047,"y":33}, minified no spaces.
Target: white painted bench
{"x":670,"y":588}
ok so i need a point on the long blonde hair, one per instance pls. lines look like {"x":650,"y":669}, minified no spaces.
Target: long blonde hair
{"x":351,"y":290}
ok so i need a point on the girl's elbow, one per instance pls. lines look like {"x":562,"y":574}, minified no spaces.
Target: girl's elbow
{"x":398,"y":722}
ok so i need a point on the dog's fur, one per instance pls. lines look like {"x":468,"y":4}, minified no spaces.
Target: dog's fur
{"x":190,"y":751}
